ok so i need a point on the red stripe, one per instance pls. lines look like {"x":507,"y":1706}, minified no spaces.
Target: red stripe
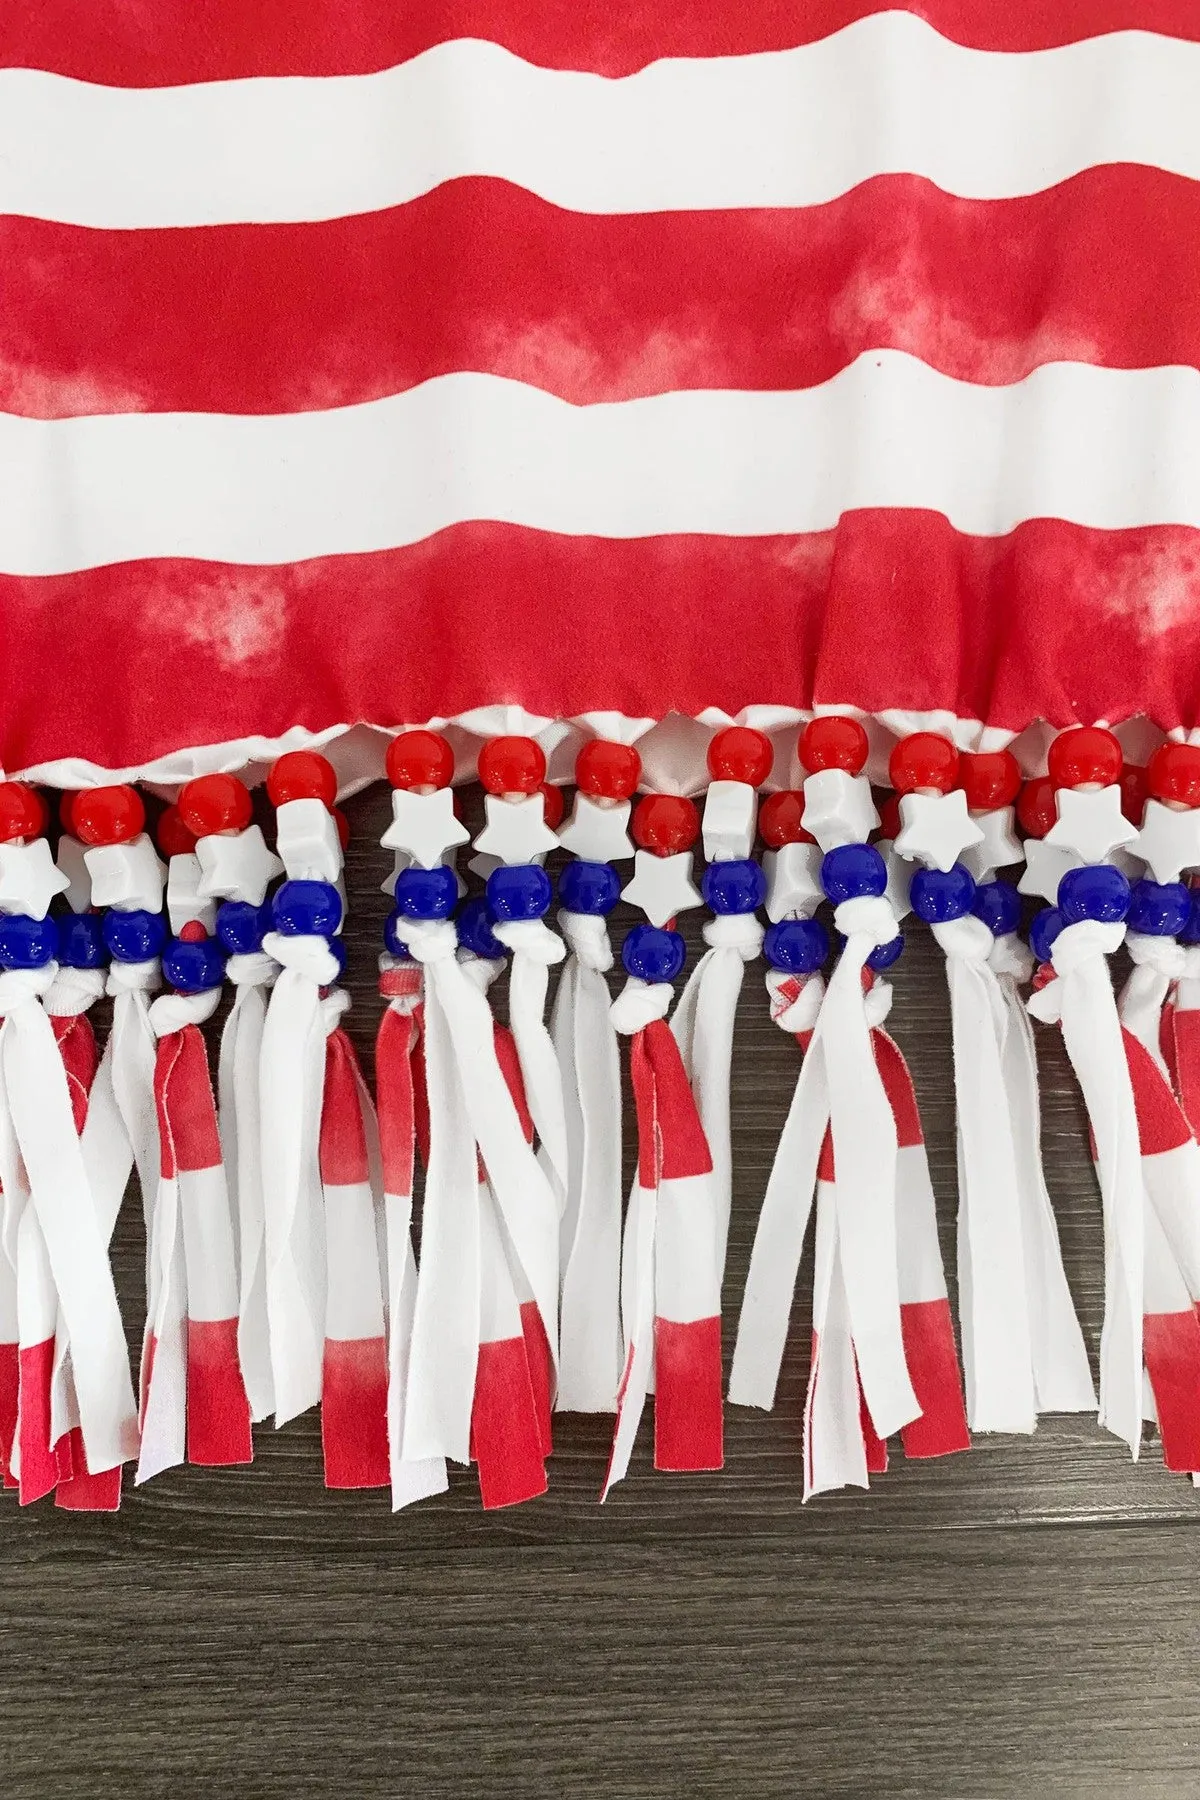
{"x":287,"y":318}
{"x":176,"y":41}
{"x":77,"y":1047}
{"x":510,"y":1068}
{"x":354,"y":1434}
{"x":505,"y":1434}
{"x":893,"y":609}
{"x":39,"y":1465}
{"x":932,"y":1359}
{"x":1161,"y":1123}
{"x":343,"y":1137}
{"x":218,"y":1413}
{"x":898,"y":1086}
{"x":683,"y":1147}
{"x":187,"y":1113}
{"x":537,"y":1354}
{"x":1172,"y":1350}
{"x":873,"y":1444}
{"x":81,"y":1491}
{"x":1186,"y":1033}
{"x":394,"y":1098}
{"x":688,"y":1415}
{"x":10,"y":1381}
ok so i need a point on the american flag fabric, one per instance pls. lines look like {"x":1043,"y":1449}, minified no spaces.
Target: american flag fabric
{"x":858,"y":344}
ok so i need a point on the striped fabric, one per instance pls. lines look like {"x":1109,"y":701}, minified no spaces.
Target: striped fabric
{"x":877,"y":327}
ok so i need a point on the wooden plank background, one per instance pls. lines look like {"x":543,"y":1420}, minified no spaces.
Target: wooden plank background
{"x":1018,"y":1620}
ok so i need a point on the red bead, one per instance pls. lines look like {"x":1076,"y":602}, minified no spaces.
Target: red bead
{"x":990,"y":778}
{"x":512,"y":765}
{"x":193,"y":932}
{"x":779,"y":820}
{"x":1085,"y":757}
{"x":924,"y":760}
{"x":22,"y":812}
{"x":608,"y":771}
{"x":552,"y":805}
{"x":213,"y":803}
{"x":1134,"y":791}
{"x":833,"y":743}
{"x":108,"y":815}
{"x":420,"y":759}
{"x":739,"y":754}
{"x":302,"y":775}
{"x":174,"y":837}
{"x":343,"y":827}
{"x":890,"y":822}
{"x":1174,"y":774}
{"x":665,"y":823}
{"x":1037,"y":809}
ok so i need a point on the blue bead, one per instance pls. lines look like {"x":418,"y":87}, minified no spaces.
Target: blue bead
{"x":135,"y":936}
{"x":475,"y":931}
{"x":1097,"y":891}
{"x":427,"y":893}
{"x":242,"y":927}
{"x":733,"y":887}
{"x":1191,"y":931}
{"x":1042,"y":932}
{"x":27,"y":943}
{"x":653,"y":955}
{"x":521,"y":892}
{"x":193,"y":968}
{"x":940,"y":895}
{"x":338,"y":952}
{"x":393,"y":942}
{"x":589,"y":887}
{"x":307,"y":909}
{"x":81,"y":941}
{"x":1159,"y":908}
{"x":998,"y":904}
{"x":884,"y":955}
{"x":851,"y":871}
{"x":797,"y":946}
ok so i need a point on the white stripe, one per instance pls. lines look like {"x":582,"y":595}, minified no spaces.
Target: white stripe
{"x":788,"y":128}
{"x":354,"y":1298}
{"x":212,"y":1292}
{"x":918,"y":1252}
{"x":1106,"y":448}
{"x":1172,"y":1180}
{"x":687,"y":1274}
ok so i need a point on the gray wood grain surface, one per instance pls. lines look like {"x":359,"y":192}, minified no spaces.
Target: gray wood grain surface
{"x":1019,"y":1620}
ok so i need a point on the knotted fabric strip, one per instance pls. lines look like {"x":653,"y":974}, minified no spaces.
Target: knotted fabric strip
{"x":590,"y":1238}
{"x":291,"y":1083}
{"x":671,"y":1278}
{"x":193,"y":1396}
{"x":134,"y":1048}
{"x":40,"y":1130}
{"x":240,"y":1112}
{"x":536,"y":949}
{"x":1081,"y":999}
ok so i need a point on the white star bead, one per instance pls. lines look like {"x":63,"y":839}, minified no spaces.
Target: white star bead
{"x":401,"y":860}
{"x":1045,"y":866}
{"x":29,"y":878}
{"x":597,"y":833}
{"x":126,"y":875}
{"x":999,"y":847}
{"x":237,"y":867}
{"x":1169,"y":841}
{"x":516,"y":831}
{"x":838,"y":808}
{"x":662,"y":885}
{"x":1090,"y":824}
{"x":793,"y":881}
{"x":730,"y":821}
{"x":424,"y":826}
{"x":899,"y":880}
{"x":936,"y":829}
{"x":186,"y":902}
{"x":78,"y":891}
{"x":307,"y":839}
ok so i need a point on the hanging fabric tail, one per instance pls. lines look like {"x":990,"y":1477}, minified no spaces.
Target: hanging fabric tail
{"x":395,"y":1088}
{"x":1183,"y":1019}
{"x":193,"y":1396}
{"x":354,"y":1399}
{"x":606,"y":775}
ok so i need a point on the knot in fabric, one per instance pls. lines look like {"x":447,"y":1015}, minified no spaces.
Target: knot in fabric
{"x":19,"y":986}
{"x":735,"y":931}
{"x":1162,"y":955}
{"x":73,"y":991}
{"x":333,"y":1005}
{"x":251,"y":969}
{"x":1085,"y":942}
{"x":1009,"y":956}
{"x":588,"y":940}
{"x":877,"y":1003}
{"x":428,"y":940}
{"x":401,"y":983}
{"x":968,"y":939}
{"x":171,"y":1012}
{"x":868,"y":916}
{"x":306,"y":955}
{"x":481,"y":971}
{"x":532,"y":938}
{"x":795,"y":1003}
{"x":134,"y":978}
{"x":639,"y":1004}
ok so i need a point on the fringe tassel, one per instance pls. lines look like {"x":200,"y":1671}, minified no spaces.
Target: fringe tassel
{"x":240,"y":1110}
